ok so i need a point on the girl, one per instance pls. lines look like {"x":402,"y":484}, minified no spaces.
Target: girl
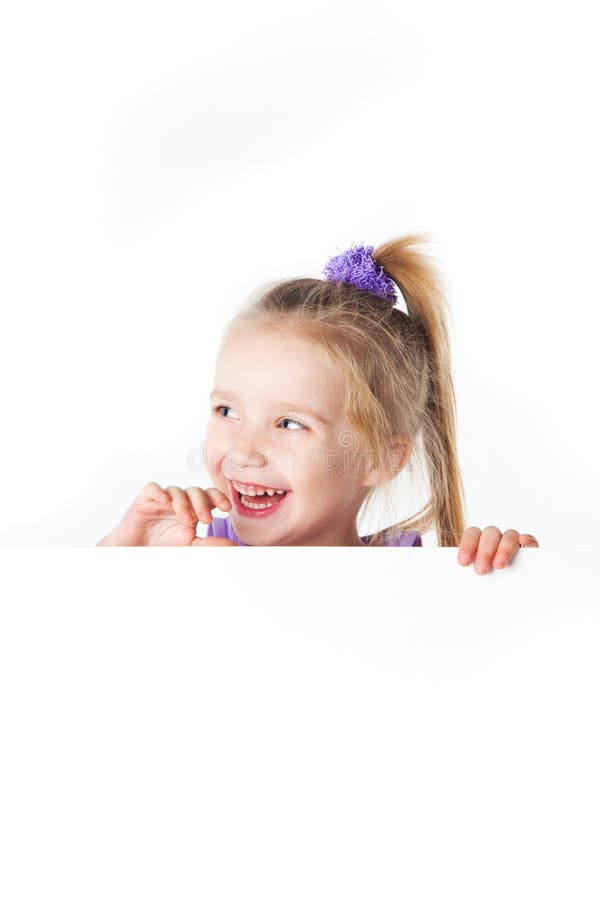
{"x":322,"y":389}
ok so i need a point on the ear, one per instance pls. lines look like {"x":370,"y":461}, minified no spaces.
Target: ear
{"x":399,"y":450}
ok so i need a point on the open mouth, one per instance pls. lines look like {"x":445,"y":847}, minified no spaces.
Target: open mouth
{"x":260,"y":503}
{"x":255,"y":503}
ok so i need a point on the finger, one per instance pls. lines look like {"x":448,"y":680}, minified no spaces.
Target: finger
{"x":219,"y":498}
{"x":508,"y":546}
{"x":205,"y":500}
{"x":201,"y":503}
{"x":215,"y":541}
{"x":181,"y":504}
{"x":488,"y":544}
{"x":528,"y":540}
{"x":196,"y":497}
{"x":468,"y":545}
{"x":153,"y":491}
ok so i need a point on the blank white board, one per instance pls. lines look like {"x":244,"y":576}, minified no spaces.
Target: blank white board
{"x":298,"y":722}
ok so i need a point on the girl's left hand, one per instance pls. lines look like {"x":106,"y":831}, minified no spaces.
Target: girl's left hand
{"x":491,"y":547}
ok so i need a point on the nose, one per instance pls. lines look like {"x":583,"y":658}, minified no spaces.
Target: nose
{"x":246,"y":459}
{"x":245,"y":453}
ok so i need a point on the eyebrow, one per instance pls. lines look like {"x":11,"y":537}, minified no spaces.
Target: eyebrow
{"x":300,"y":409}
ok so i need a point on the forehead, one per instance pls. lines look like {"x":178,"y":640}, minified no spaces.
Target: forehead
{"x":261,"y":364}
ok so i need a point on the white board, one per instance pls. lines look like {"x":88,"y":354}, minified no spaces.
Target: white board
{"x":298,"y":722}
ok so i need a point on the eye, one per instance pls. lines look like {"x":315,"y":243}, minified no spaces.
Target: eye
{"x":217,"y":408}
{"x":299,"y":424}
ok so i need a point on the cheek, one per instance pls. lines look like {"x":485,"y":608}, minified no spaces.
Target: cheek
{"x":317,"y":482}
{"x":214,"y":452}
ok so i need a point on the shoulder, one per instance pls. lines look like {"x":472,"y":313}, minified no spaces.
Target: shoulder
{"x":400,"y":539}
{"x":406,"y":539}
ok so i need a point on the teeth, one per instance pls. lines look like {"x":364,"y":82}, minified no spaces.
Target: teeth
{"x":255,"y":492}
{"x":255,"y":505}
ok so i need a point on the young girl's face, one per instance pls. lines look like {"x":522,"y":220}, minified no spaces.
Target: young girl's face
{"x":277,"y":420}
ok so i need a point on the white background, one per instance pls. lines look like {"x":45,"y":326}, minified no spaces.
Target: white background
{"x":413,"y":731}
{"x":159,"y":161}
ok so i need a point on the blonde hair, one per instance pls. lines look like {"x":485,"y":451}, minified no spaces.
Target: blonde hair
{"x":396,"y":367}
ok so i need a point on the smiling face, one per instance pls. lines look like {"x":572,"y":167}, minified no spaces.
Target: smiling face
{"x":277,"y":420}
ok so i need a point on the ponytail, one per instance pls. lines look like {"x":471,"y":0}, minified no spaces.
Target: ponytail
{"x":419,"y":282}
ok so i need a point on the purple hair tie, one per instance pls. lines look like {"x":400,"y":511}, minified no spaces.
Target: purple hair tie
{"x":356,"y":266}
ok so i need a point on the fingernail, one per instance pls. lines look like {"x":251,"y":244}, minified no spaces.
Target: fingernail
{"x":499,"y":561}
{"x":463,"y":557}
{"x":481,"y":567}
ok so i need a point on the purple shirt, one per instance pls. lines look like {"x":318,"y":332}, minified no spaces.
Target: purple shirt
{"x":221,"y":527}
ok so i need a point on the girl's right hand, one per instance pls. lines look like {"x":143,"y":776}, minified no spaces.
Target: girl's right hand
{"x":168,"y":518}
